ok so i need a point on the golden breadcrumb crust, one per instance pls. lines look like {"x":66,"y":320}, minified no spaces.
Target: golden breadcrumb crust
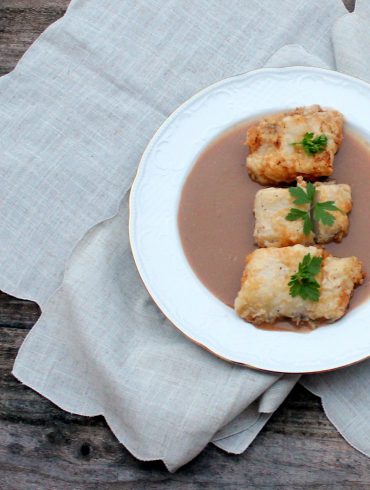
{"x":272,"y":205}
{"x":264,"y":295}
{"x":273,"y":159}
{"x":341,"y":195}
{"x":272,"y":229}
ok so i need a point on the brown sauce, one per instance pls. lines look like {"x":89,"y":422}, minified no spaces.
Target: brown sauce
{"x":216,"y":219}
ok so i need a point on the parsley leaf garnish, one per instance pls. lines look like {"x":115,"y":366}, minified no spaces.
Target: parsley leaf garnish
{"x":313,"y":145}
{"x":295,"y":214}
{"x":303,"y":282}
{"x":319,"y":210}
{"x":301,"y":196}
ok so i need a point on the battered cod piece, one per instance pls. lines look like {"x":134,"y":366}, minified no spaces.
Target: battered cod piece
{"x":265,"y":297}
{"x":274,"y":159}
{"x":271,"y":207}
{"x":341,"y":195}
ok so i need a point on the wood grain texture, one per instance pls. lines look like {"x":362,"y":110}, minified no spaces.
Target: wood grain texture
{"x":43,"y":447}
{"x":21,"y":22}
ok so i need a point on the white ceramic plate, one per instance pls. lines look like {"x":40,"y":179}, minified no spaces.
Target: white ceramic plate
{"x":154,"y":234}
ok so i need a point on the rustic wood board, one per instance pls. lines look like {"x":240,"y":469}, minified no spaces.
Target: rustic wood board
{"x":42,"y":446}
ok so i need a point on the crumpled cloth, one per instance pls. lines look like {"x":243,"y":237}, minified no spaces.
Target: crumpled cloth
{"x":76,"y":115}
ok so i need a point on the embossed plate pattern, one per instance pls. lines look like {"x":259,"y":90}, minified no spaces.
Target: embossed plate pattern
{"x":155,"y":238}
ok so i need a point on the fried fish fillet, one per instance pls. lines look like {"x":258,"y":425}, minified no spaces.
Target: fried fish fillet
{"x":273,"y":159}
{"x":341,"y":195}
{"x":272,"y":229}
{"x":264,"y":295}
{"x":272,"y":205}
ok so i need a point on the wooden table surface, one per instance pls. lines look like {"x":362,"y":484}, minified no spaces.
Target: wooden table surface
{"x":43,"y":447}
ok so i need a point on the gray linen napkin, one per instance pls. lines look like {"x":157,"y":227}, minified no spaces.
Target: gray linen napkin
{"x":76,"y":115}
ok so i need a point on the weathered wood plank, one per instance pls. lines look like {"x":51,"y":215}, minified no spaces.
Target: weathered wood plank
{"x":21,"y":22}
{"x":17,"y":313}
{"x":75,"y":455}
{"x":40,"y":444}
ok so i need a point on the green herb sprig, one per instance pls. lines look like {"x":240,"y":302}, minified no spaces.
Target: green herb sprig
{"x":318,"y":211}
{"x":303,"y":282}
{"x":313,"y":145}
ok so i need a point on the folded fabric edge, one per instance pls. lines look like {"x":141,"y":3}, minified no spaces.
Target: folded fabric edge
{"x":25,"y":294}
{"x":331,"y":418}
{"x":234,"y":443}
{"x":42,"y":302}
{"x":294,"y":55}
{"x":30,"y":49}
{"x":239,"y":442}
{"x":19,"y":374}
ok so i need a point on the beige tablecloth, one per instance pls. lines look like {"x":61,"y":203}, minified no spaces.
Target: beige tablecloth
{"x":76,"y":114}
